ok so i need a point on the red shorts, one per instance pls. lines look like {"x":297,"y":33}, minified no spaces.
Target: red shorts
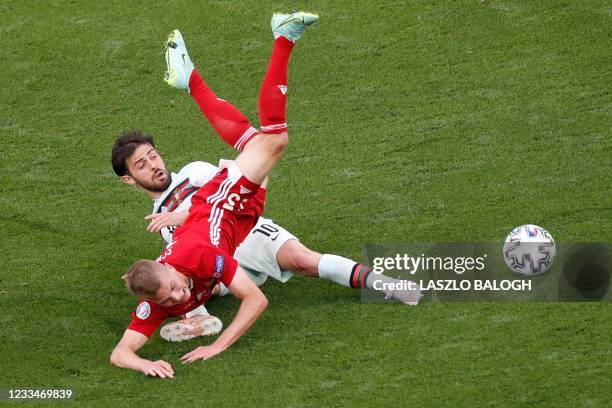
{"x":225,"y":209}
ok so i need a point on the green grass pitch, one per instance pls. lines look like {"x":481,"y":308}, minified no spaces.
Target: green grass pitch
{"x":420,"y":121}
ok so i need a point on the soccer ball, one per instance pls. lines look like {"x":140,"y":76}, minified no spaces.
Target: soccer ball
{"x":529,"y":250}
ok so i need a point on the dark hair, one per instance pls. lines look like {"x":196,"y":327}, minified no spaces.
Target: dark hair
{"x":124,"y":147}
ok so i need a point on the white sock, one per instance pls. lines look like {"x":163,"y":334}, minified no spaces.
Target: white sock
{"x":336,"y":269}
{"x":223,"y":291}
{"x":200,"y":310}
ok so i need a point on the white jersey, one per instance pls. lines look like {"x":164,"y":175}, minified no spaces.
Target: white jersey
{"x":177,"y":196}
{"x":257,"y":254}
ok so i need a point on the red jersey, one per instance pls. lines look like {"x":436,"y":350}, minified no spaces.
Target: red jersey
{"x":223,"y":211}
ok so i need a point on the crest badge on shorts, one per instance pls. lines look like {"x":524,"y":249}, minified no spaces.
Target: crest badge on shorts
{"x":143,"y":310}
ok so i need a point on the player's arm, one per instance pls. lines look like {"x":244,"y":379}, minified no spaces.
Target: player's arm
{"x":252,"y":304}
{"x":161,"y":220}
{"x":124,"y":356}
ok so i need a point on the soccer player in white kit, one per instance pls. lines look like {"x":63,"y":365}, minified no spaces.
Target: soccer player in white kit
{"x":269,"y":249}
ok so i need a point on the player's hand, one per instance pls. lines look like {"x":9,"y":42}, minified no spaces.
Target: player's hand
{"x":201,"y":353}
{"x":159,"y":221}
{"x":158,"y":368}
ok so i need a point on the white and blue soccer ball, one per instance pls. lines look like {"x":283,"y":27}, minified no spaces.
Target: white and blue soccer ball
{"x":529,"y":250}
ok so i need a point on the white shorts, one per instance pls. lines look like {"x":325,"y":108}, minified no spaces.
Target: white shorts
{"x":257,"y":253}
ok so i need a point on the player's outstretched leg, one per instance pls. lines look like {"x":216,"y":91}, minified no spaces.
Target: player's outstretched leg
{"x":264,"y":151}
{"x":287,"y":29}
{"x":347,"y":272}
{"x":229,"y":123}
{"x":294,"y":256}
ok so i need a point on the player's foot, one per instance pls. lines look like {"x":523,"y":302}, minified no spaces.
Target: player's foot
{"x":291,"y":26}
{"x":187,"y":329}
{"x":179,"y":65}
{"x":408,"y":297}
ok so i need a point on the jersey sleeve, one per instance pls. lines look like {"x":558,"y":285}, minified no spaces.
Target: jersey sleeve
{"x":147,"y":318}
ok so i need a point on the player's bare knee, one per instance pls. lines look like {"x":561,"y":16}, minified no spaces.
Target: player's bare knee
{"x":278,"y":142}
{"x":263,"y":302}
{"x":114,"y":358}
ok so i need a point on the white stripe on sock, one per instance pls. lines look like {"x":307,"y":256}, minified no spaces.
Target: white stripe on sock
{"x":245,"y":138}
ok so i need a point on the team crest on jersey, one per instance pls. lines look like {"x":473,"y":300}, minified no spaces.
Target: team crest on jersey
{"x":218,"y":266}
{"x":143,"y":310}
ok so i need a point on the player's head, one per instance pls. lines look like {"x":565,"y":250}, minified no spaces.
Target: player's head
{"x":159,"y":283}
{"x":137,"y":162}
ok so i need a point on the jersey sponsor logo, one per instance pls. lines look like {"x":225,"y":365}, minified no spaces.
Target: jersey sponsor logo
{"x":143,"y":310}
{"x":218,"y":266}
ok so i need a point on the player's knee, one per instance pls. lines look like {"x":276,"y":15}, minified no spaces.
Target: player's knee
{"x":278,"y":142}
{"x":115,"y":358}
{"x":263,"y":302}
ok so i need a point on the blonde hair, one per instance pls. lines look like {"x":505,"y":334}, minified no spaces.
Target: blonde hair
{"x":142,"y":278}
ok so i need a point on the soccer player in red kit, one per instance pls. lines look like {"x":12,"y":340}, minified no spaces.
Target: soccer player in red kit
{"x":222,"y":213}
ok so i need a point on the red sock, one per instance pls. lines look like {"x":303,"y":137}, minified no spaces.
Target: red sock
{"x":233,"y":127}
{"x":273,"y":95}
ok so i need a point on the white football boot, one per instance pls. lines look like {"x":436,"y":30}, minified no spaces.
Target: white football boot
{"x":187,"y":329}
{"x":292,"y":25}
{"x":408,"y":297}
{"x":179,"y":65}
